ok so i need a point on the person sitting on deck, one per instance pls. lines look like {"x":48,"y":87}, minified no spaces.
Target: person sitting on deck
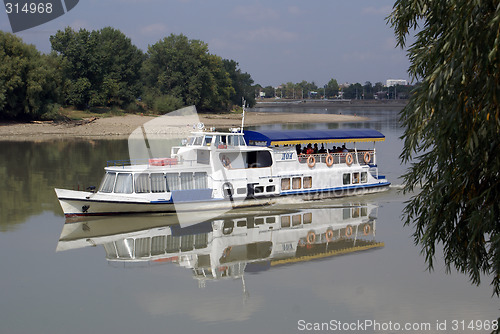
{"x":304,"y":150}
{"x":298,"y":148}
{"x":344,"y":149}
{"x":322,"y":149}
{"x":315,"y":148}
{"x":309,"y":149}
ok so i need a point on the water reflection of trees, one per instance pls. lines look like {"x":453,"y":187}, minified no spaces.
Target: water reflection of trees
{"x":29,"y":172}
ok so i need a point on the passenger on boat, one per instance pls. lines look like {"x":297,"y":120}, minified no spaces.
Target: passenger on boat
{"x":322,"y":149}
{"x":344,"y":149}
{"x":309,"y":149}
{"x":304,"y":150}
{"x":226,"y":162}
{"x":316,"y":148}
{"x":298,"y":148}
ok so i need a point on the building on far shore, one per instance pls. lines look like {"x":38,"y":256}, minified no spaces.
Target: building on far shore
{"x":394,"y":82}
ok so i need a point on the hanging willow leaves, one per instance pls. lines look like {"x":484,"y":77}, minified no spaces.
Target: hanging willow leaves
{"x":452,"y":131}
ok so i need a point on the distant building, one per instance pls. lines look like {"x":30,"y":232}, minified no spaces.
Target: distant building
{"x":394,"y":82}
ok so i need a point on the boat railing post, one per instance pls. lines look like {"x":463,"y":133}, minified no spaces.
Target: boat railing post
{"x":356,"y":153}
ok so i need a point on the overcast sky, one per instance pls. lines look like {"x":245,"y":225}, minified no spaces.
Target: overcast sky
{"x":275,"y":41}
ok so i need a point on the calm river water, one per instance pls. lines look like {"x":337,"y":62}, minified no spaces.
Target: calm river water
{"x":267,"y":280}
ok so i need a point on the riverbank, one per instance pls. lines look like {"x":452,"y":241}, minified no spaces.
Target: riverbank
{"x":120,"y":127}
{"x":332,"y":104}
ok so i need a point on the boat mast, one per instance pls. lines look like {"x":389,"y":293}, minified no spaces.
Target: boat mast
{"x":243,"y":118}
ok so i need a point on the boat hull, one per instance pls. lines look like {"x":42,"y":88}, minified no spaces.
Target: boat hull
{"x":79,"y":203}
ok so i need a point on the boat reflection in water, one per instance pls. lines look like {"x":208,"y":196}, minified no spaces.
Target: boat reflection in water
{"x":232,"y":244}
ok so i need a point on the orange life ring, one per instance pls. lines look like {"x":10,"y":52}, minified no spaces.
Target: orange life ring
{"x":311,"y":237}
{"x":366,"y":229}
{"x":329,"y":235}
{"x":348,"y":231}
{"x":329,"y":160}
{"x":366,"y":158}
{"x":311,"y":161}
{"x":349,"y":159}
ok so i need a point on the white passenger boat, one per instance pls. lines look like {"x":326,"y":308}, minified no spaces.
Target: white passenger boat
{"x":224,"y":170}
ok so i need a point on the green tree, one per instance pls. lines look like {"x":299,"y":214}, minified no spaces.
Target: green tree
{"x":29,"y":81}
{"x":353,"y":91}
{"x":332,"y":89}
{"x":269,"y":91}
{"x":452,"y":131}
{"x":241,"y":83}
{"x":183,"y":68}
{"x":102,"y":67}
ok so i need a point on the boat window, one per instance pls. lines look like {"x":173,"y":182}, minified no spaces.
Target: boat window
{"x":258,"y":159}
{"x":125,"y":248}
{"x":124,"y":183}
{"x":307,"y":182}
{"x":355,"y":212}
{"x":207,"y":141}
{"x":270,"y":189}
{"x":355,"y":177}
{"x":158,"y":245}
{"x":308,"y":218}
{"x":259,"y":189}
{"x":241,"y":191}
{"x":346,"y":178}
{"x":259,"y":221}
{"x":241,"y":223}
{"x":158,"y":183}
{"x":198,"y":140}
{"x":142,"y":183}
{"x":108,"y":182}
{"x":270,"y":220}
{"x":230,"y":141}
{"x":173,"y":181}
{"x":346,"y":214}
{"x":173,"y":244}
{"x":242,"y":141}
{"x":187,"y":181}
{"x":285,"y":221}
{"x":142,"y":247}
{"x":200,"y":180}
{"x":296,"y":220}
{"x":285,"y":184}
{"x":296,"y":183}
{"x":190,"y":141}
{"x":364,"y":177}
{"x":364,"y":211}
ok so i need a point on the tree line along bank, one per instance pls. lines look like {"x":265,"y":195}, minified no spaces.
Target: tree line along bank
{"x":102,"y":68}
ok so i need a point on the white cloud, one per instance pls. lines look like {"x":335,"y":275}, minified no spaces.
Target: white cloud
{"x":385,"y":10}
{"x":294,"y":10}
{"x":271,"y":34}
{"x":153,"y":29}
{"x":255,"y":13}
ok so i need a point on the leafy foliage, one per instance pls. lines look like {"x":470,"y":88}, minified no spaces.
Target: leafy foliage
{"x":183,"y":68}
{"x":452,"y":131}
{"x":102,"y":67}
{"x":241,"y":83}
{"x":29,"y":81}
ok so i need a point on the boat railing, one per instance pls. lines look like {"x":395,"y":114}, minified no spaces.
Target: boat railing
{"x":365,"y":157}
{"x":163,"y":162}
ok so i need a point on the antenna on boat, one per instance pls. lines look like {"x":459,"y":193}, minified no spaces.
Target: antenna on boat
{"x":243,"y":118}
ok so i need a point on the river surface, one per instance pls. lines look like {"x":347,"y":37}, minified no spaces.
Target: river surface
{"x":110,"y":276}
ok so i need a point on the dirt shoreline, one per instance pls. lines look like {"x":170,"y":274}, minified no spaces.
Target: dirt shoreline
{"x":120,"y":127}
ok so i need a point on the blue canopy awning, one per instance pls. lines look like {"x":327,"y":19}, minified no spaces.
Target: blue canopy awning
{"x":291,"y":137}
